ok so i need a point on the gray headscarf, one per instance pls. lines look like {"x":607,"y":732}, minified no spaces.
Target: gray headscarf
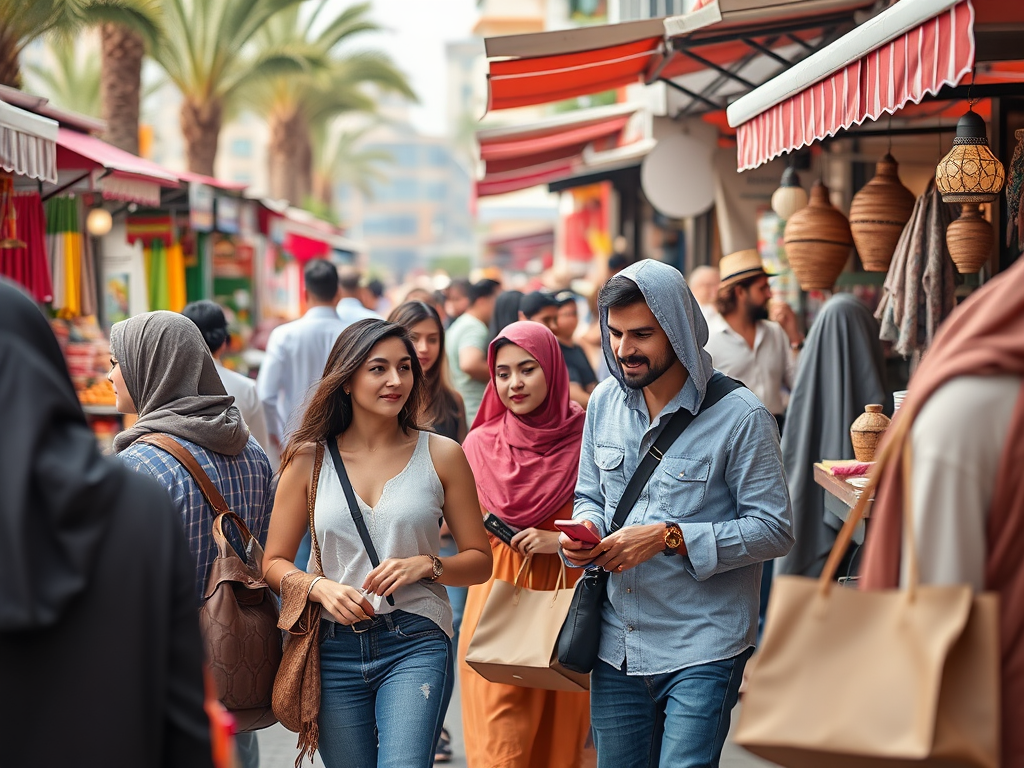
{"x":174,"y":384}
{"x":842,"y":369}
{"x":679,"y":315}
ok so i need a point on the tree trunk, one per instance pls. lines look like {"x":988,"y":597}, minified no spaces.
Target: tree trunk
{"x":323,"y":189}
{"x":10,"y":64}
{"x":200,"y":126}
{"x":121,"y":85}
{"x":290,"y":158}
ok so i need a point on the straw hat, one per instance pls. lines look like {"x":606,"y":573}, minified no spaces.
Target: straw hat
{"x":739,"y":266}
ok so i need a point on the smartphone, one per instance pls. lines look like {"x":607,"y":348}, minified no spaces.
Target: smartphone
{"x":577,"y":531}
{"x":499,"y":528}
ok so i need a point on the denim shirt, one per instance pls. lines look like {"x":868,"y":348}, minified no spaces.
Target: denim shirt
{"x":723,"y":482}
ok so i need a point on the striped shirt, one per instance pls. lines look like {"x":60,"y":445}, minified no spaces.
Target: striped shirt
{"x":243,"y":481}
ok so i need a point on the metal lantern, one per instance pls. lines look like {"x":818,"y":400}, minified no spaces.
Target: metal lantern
{"x":970,"y":175}
{"x":790,"y":197}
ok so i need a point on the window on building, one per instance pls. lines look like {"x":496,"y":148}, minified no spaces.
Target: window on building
{"x":435,"y":190}
{"x":400,"y":188}
{"x":404,"y":154}
{"x":395,"y":225}
{"x":437,"y":157}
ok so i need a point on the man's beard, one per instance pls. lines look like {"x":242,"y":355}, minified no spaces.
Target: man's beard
{"x":654,"y":370}
{"x":757,"y":312}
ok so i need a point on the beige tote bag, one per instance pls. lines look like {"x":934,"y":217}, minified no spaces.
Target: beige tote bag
{"x":517,"y":636}
{"x":875,"y":679}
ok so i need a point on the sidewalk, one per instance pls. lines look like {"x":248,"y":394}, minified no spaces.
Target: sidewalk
{"x":277,"y":745}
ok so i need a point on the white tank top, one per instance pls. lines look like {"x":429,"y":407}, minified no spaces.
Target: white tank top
{"x":405,"y":523}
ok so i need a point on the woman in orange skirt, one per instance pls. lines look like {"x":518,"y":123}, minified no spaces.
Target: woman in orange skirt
{"x":524,"y":449}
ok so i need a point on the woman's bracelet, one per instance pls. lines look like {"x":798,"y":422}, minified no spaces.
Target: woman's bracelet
{"x":314,"y":581}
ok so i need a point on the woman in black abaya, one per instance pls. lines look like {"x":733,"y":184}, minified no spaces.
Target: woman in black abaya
{"x":100,"y":655}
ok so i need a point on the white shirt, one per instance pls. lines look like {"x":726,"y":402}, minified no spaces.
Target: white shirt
{"x":243,"y":389}
{"x":296,"y":355}
{"x":352,"y":310}
{"x":765,"y":370}
{"x":958,"y":442}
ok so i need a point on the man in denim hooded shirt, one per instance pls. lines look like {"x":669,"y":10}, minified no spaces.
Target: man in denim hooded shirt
{"x":680,"y":622}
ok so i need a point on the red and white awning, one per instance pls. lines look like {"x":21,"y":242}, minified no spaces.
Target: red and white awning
{"x":125,"y":176}
{"x":908,"y":51}
{"x":28,"y":144}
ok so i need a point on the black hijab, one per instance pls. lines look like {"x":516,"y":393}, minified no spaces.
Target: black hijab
{"x":842,"y":369}
{"x":55,"y":486}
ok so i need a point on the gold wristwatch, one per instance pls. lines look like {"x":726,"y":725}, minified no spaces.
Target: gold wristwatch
{"x":673,"y":538}
{"x":438,"y":567}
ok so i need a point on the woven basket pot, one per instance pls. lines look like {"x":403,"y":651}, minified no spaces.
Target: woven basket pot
{"x":866,"y":432}
{"x":818,"y":241}
{"x":878,"y":213}
{"x":969,"y":239}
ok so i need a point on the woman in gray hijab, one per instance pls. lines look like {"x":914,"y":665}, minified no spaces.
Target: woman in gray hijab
{"x":162,"y":370}
{"x":842,"y":369}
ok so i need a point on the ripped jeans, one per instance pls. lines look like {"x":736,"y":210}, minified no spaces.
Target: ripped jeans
{"x":385,"y":685}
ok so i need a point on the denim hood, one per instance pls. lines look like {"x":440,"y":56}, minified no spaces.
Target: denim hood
{"x":678,"y":313}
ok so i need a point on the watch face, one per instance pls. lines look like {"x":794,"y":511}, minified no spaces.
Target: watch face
{"x":673,"y":538}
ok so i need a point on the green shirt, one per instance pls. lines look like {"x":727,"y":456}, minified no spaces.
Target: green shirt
{"x":466,"y":331}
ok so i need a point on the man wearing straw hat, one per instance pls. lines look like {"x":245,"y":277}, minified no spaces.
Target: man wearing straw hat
{"x":743,"y":342}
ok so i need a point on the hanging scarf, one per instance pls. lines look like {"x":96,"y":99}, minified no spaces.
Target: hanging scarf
{"x":526,"y":467}
{"x":174,"y":384}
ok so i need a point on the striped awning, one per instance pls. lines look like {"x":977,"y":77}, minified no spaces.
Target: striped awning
{"x":28,"y":144}
{"x":910,"y":50}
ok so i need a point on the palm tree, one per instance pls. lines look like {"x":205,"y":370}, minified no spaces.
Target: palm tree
{"x":22,"y":21}
{"x":299,"y":107}
{"x":345,"y":159}
{"x":71,"y":81}
{"x":207,"y":53}
{"x":124,"y":46}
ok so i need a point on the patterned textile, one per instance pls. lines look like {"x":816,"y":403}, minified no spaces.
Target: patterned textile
{"x":243,"y":480}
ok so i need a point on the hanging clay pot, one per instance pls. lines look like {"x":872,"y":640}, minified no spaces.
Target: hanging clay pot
{"x":818,"y":241}
{"x":866,"y":432}
{"x":969,"y":239}
{"x":878,"y":213}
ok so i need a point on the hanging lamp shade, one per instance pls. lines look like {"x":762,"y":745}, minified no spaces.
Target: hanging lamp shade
{"x":970,"y":175}
{"x":878,"y":213}
{"x":790,"y":197}
{"x":818,"y":241}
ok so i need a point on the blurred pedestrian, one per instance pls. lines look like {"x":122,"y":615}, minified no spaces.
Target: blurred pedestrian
{"x":703,"y":282}
{"x":540,"y":307}
{"x":376,"y":300}
{"x":297,"y":352}
{"x":680,"y":621}
{"x":966,"y":404}
{"x":506,"y":311}
{"x":582,"y":380}
{"x":457,"y":299}
{"x":162,"y":371}
{"x":99,"y":637}
{"x":209,"y":319}
{"x":467,"y":345}
{"x":842,"y":369}
{"x":524,"y":450}
{"x":351,"y":306}
{"x":386,"y":670}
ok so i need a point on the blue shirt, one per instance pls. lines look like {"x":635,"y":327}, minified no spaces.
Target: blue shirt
{"x":243,"y":481}
{"x":351,"y":310}
{"x":723,"y":482}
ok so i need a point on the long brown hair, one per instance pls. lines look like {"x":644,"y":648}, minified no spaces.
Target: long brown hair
{"x":439,"y":402}
{"x":329,"y":412}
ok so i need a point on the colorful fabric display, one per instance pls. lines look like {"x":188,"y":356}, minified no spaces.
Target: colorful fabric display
{"x":22,"y":218}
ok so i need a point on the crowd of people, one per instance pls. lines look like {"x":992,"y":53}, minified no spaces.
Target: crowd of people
{"x":368,"y":451}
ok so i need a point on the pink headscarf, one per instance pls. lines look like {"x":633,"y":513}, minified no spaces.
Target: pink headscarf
{"x":526,"y":467}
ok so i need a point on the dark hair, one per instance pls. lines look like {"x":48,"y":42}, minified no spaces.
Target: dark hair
{"x":565,"y":297}
{"x":481,"y":290}
{"x":501,"y":343}
{"x":618,"y":262}
{"x":506,"y":311}
{"x":620,"y":292}
{"x":439,"y":402}
{"x":376,"y":287}
{"x":461,"y":285}
{"x":727,"y":301}
{"x":534,"y":302}
{"x":329,"y":412}
{"x":321,"y":279}
{"x":349,"y":280}
{"x":208,"y":318}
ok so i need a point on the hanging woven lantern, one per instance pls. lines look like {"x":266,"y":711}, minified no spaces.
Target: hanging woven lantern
{"x":970,"y":175}
{"x":818,"y":241}
{"x":878,"y":213}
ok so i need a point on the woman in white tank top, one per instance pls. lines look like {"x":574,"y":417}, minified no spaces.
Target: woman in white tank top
{"x":386,"y":666}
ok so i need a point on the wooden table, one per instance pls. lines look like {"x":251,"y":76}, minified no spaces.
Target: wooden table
{"x":841,"y":498}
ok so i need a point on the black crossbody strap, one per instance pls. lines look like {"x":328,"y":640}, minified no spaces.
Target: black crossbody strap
{"x":353,"y":506}
{"x":719,"y":386}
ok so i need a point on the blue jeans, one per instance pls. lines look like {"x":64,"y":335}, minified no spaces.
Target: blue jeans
{"x":675,"y":720}
{"x":385,"y":685}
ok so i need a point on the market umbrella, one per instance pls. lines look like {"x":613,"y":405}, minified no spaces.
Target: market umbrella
{"x":919,"y":289}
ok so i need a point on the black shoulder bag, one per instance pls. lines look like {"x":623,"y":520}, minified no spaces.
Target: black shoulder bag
{"x":353,"y":507}
{"x":581,"y":633}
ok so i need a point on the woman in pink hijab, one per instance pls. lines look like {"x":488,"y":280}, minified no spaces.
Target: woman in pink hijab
{"x":524,"y":448}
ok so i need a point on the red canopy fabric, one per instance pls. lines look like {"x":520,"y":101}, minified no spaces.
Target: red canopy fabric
{"x":934,"y":54}
{"x":28,"y":266}
{"x":134,"y":178}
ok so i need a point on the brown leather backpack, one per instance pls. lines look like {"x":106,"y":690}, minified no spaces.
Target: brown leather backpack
{"x":239,"y":614}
